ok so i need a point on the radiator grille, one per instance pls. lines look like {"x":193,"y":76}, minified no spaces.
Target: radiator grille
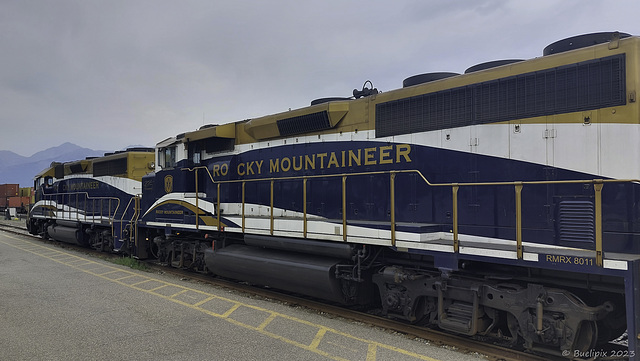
{"x":576,"y":221}
{"x":110,"y":167}
{"x":570,"y":88}
{"x":304,"y":123}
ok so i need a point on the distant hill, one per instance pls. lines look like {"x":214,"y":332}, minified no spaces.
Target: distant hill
{"x":17,"y":169}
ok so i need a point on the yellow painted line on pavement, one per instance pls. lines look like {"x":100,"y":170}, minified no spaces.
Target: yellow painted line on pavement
{"x":204,"y":301}
{"x":178,"y":293}
{"x":124,"y":278}
{"x":138,"y":283}
{"x":318,"y":344}
{"x":157,"y":288}
{"x":266,"y":322}
{"x":230,"y":311}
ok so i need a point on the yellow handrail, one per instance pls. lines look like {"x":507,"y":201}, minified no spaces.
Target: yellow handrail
{"x":392,"y":186}
{"x":518,"y":186}
{"x":197,"y":206}
{"x":49,"y":198}
{"x":519,"y":249}
{"x":270,"y":207}
{"x":344,"y":208}
{"x":304,"y":206}
{"x":133,"y":222}
{"x":456,"y":241}
{"x":243,"y":219}
{"x":597,"y":187}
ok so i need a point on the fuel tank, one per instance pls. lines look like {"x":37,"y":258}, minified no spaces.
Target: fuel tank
{"x":66,"y":234}
{"x":325,"y":249}
{"x":295,"y":272}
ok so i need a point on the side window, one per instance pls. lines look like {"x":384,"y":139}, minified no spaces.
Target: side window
{"x":196,"y":158}
{"x":48,"y":182}
{"x":168,"y":157}
{"x":195,"y":152}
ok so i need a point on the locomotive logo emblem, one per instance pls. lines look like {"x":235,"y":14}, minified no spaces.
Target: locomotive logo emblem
{"x":168,"y":184}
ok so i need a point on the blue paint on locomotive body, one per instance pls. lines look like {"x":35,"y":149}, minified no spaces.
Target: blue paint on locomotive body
{"x":87,"y":201}
{"x":485,"y":211}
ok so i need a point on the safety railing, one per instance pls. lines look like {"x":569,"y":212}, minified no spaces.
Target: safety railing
{"x":598,"y":185}
{"x":133,"y":222}
{"x":80,"y":206}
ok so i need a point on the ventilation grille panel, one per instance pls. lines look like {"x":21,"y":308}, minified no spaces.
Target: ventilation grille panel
{"x":569,"y":88}
{"x":576,"y":221}
{"x":304,"y":123}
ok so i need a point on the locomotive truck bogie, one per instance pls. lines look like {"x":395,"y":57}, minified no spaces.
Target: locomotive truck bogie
{"x":181,"y":251}
{"x":543,"y":317}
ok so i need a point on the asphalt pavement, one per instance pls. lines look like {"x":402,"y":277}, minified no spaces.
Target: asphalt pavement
{"x":58,"y":304}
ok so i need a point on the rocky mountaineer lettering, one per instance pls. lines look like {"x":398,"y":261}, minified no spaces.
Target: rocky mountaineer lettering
{"x":250,"y":168}
{"x":341,"y":159}
{"x":220,"y":169}
{"x":82,"y":186}
{"x":388,"y":154}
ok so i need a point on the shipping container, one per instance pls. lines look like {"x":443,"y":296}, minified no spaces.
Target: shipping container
{"x":9,"y":190}
{"x":3,"y":202}
{"x":25,"y":192}
{"x":18,"y":202}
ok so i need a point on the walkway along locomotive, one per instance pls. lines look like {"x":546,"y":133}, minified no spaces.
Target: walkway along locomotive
{"x":501,"y":202}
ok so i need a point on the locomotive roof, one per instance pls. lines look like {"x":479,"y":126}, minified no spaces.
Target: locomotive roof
{"x":340,"y":115}
{"x":86,"y":165}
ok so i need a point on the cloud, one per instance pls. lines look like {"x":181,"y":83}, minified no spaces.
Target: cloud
{"x":109,"y":74}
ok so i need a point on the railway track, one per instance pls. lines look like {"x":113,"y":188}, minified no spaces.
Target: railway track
{"x":462,"y":344}
{"x":16,"y":227}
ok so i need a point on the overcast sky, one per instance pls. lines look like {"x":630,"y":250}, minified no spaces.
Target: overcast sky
{"x":108,"y":74}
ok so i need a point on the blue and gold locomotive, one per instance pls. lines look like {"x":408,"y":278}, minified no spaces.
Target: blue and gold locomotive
{"x":92,"y":202}
{"x":500,"y":202}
